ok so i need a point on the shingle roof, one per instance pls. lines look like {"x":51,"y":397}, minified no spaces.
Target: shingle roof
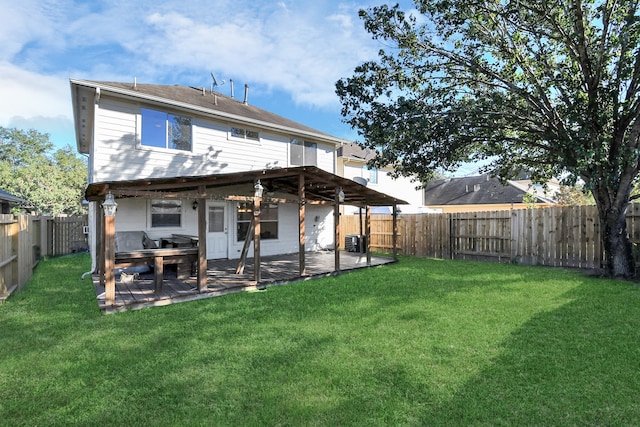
{"x":473,"y":190}
{"x":8,"y":197}
{"x":211,"y":100}
{"x":356,"y":152}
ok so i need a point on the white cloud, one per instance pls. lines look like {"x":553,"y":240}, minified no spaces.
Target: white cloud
{"x":26,"y":94}
{"x":300,"y":48}
{"x":297,"y":51}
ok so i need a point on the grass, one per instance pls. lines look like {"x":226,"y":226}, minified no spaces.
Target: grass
{"x":421,"y":342}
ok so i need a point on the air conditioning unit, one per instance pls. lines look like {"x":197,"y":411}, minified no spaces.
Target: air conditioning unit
{"x":355,"y":243}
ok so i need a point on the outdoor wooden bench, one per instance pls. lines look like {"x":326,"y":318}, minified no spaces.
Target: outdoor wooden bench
{"x":185,"y":258}
{"x":135,"y":248}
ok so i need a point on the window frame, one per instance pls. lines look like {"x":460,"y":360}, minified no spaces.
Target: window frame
{"x":306,"y":147}
{"x":248,"y":206}
{"x":172,"y":225}
{"x":235,"y":136}
{"x":169,"y":121}
{"x":373,"y":174}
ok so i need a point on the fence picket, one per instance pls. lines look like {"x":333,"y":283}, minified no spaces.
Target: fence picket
{"x":558,"y":236}
{"x":21,"y":245}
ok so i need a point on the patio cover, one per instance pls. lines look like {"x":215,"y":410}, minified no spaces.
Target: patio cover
{"x":320,"y":186}
{"x":302,"y":185}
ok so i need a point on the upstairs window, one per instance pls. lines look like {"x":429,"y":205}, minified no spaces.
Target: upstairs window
{"x":303,"y":153}
{"x":166,"y":213}
{"x":242,"y":133}
{"x":164,"y":130}
{"x":373,"y":174}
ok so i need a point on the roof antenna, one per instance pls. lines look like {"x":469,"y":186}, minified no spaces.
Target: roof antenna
{"x":215,"y":83}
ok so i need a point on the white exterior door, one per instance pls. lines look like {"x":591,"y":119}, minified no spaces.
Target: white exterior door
{"x":217,"y":231}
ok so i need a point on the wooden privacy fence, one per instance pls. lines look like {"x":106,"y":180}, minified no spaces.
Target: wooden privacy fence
{"x":25,"y":239}
{"x":567,"y":236}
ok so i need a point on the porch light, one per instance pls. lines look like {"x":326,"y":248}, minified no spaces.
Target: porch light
{"x":109,"y":205}
{"x":340,"y":195}
{"x":258,"y":189}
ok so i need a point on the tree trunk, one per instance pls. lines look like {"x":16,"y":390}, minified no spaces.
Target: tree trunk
{"x":617,"y":247}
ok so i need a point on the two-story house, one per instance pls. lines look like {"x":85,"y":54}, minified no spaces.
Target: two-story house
{"x":137,"y":136}
{"x":353,"y":164}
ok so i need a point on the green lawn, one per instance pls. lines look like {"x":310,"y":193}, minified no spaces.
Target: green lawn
{"x":421,"y":342}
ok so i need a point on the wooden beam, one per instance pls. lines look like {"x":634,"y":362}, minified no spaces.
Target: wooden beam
{"x":100,"y":248}
{"x":367,"y":228}
{"x":360,"y":222}
{"x":336,"y":233}
{"x":256,"y":240}
{"x":202,"y":239}
{"x":301,"y":223}
{"x":109,"y":260}
{"x":248,"y":238}
{"x":158,"y":274}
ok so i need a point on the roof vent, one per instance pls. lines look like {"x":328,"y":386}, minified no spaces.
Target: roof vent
{"x":246,"y":94}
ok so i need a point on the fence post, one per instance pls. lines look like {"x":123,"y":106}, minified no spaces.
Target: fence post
{"x":44,"y":236}
{"x":14,"y":229}
{"x":25,"y":263}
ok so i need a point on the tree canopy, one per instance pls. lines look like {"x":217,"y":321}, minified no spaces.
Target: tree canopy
{"x":551,"y":87}
{"x":52,"y":181}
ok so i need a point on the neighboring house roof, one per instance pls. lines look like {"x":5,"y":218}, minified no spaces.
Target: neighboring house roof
{"x":476,"y":190}
{"x":7,"y":200}
{"x":197,"y":100}
{"x":10,"y":198}
{"x":353,"y":151}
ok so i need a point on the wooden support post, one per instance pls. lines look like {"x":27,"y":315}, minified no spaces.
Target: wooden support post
{"x":395,"y":232}
{"x":158,"y":274}
{"x":109,"y":259}
{"x":100,"y":247}
{"x":256,"y":240}
{"x":336,"y":220}
{"x":368,"y":233}
{"x":202,"y":238}
{"x":362,"y":248}
{"x":301,"y":222}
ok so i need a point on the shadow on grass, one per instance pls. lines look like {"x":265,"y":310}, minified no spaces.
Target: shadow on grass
{"x":574,"y":365}
{"x":416,"y":343}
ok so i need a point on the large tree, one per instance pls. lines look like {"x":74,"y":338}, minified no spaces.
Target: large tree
{"x":52,"y":181}
{"x":549,"y":86}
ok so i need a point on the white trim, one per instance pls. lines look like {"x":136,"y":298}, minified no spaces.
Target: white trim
{"x":138,"y":136}
{"x":183,"y":204}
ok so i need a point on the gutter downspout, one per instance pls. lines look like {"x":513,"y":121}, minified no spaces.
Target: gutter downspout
{"x":92,"y":241}
{"x":91,"y":214}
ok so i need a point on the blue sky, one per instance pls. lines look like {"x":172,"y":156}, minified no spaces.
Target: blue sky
{"x":290,"y":53}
